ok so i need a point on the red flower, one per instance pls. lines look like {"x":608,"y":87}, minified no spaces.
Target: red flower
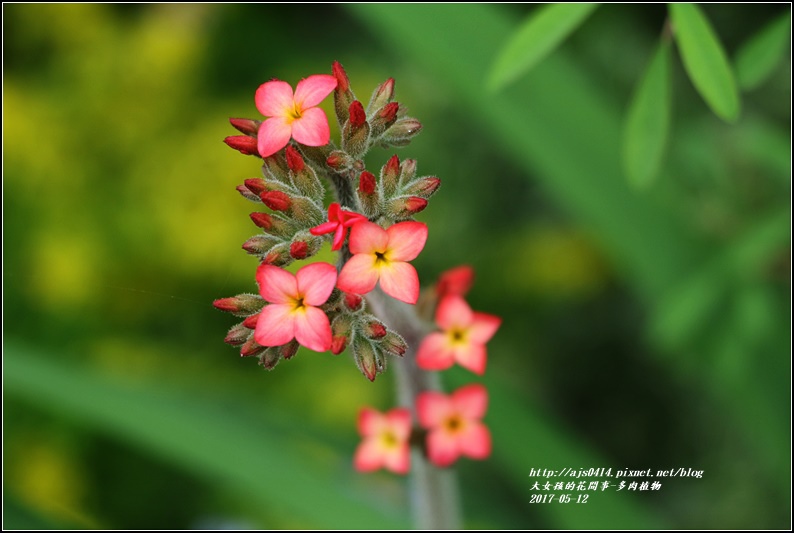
{"x":338,"y":222}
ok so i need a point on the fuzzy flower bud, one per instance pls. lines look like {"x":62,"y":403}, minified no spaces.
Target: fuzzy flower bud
{"x":405,"y":207}
{"x":270,"y":358}
{"x":423,"y":187}
{"x":288,"y":350}
{"x":278,"y":255}
{"x":251,"y":348}
{"x":341,"y":330}
{"x":365,"y":354}
{"x":355,"y":134}
{"x":389,"y":176}
{"x":237,"y":335}
{"x":394,"y":344}
{"x":383,"y":119}
{"x":339,"y":161}
{"x":357,"y":115}
{"x":246,"y":125}
{"x":381,"y":96}
{"x":248,"y":194}
{"x":256,"y":185}
{"x":294,"y":159}
{"x":368,"y":194}
{"x":242,"y":143}
{"x":259,"y":244}
{"x":240,"y":305}
{"x":353,"y":301}
{"x":401,"y":133}
{"x":299,"y":250}
{"x":367,"y":183}
{"x":407,"y":171}
{"x":250,"y":322}
{"x":262,"y":220}
{"x":276,"y":200}
{"x":374,"y":329}
{"x":343,"y":96}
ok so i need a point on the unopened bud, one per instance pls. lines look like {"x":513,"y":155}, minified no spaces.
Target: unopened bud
{"x":342,"y":81}
{"x":262,"y":220}
{"x":250,"y":322}
{"x":276,"y":200}
{"x":338,"y":344}
{"x":256,"y":185}
{"x":374,"y":329}
{"x":247,"y":194}
{"x":383,"y":119}
{"x":381,"y":96}
{"x":275,"y":168}
{"x":237,"y":335}
{"x":389,"y":176}
{"x":404,"y":207}
{"x":353,"y":301}
{"x":294,"y":159}
{"x":368,"y":196}
{"x":355,"y":134}
{"x":424,"y":187}
{"x":278,"y":255}
{"x":339,"y":161}
{"x":402,"y":131}
{"x":306,"y":182}
{"x":394,"y":344}
{"x":288,"y":350}
{"x":251,"y":348}
{"x":343,"y":96}
{"x":306,"y":211}
{"x":243,"y":143}
{"x":240,"y":305}
{"x":342,"y":325}
{"x":246,"y":125}
{"x":456,"y":280}
{"x":270,"y":358}
{"x":299,"y":250}
{"x":357,"y":115}
{"x":407,"y":171}
{"x":260,"y":244}
{"x":364,"y":353}
{"x":367,"y":183}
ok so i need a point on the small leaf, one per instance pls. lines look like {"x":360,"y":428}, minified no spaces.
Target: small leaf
{"x":539,"y":35}
{"x":759,"y":56}
{"x":705,"y":60}
{"x":648,"y":121}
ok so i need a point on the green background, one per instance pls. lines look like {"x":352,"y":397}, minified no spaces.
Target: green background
{"x":642,"y":328}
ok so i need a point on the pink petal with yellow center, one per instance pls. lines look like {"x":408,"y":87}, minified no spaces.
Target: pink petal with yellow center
{"x":399,"y":421}
{"x":311,"y":128}
{"x":453,"y":312}
{"x":433,"y":408}
{"x":276,"y":285}
{"x":315,"y":282}
{"x":406,"y":240}
{"x":274,"y":98}
{"x":471,"y":401}
{"x":274,"y":134}
{"x":483,"y":327}
{"x":442,"y":448}
{"x":368,"y":456}
{"x":312,"y":329}
{"x":370,"y":422}
{"x":434,"y":353}
{"x":325,"y":227}
{"x":400,"y":280}
{"x":368,"y":238}
{"x":475,"y":441}
{"x":398,"y":458}
{"x":275,"y":325}
{"x":311,"y":91}
{"x":359,"y":274}
{"x":472,"y":356}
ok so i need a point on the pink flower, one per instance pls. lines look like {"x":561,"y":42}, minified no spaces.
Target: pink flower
{"x":291,"y":115}
{"x":385,"y":441}
{"x":338,"y":221}
{"x":293,"y":312}
{"x":462,"y":339}
{"x":453,"y":424}
{"x":456,"y":280}
{"x":383,"y":254}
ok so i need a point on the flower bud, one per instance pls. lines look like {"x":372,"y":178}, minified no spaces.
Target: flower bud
{"x":237,"y":335}
{"x":355,"y":134}
{"x":381,"y":96}
{"x":338,"y":344}
{"x":389,"y":176}
{"x":306,"y":212}
{"x":357,"y":115}
{"x":394,"y":344}
{"x":304,"y":179}
{"x":256,"y":185}
{"x":403,"y":130}
{"x":262,"y":220}
{"x":251,"y":348}
{"x":339,"y":161}
{"x":367,"y":183}
{"x":260,"y":244}
{"x":341,"y":331}
{"x":383,"y":119}
{"x":423,"y":187}
{"x":270,"y":358}
{"x":240,"y":305}
{"x":343,"y":96}
{"x":288,"y":350}
{"x":299,"y":250}
{"x":353,"y":301}
{"x":275,"y":168}
{"x":243,"y":143}
{"x":247,"y":194}
{"x":407,"y":171}
{"x":368,"y":195}
{"x":250,"y":321}
{"x":365,"y":356}
{"x":276,"y":200}
{"x":246,"y":125}
{"x":278,"y":255}
{"x":294,"y":159}
{"x":374,"y":329}
{"x":404,"y":207}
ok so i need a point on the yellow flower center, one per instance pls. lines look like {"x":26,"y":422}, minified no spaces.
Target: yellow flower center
{"x":453,"y":424}
{"x":457,"y":336}
{"x":294,"y":114}
{"x":388,"y":439}
{"x":381,"y":260}
{"x":298,"y":304}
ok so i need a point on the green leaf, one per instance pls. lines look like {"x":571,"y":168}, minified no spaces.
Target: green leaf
{"x":759,"y":56}
{"x":648,"y":121}
{"x":540,"y":34}
{"x":705,"y":60}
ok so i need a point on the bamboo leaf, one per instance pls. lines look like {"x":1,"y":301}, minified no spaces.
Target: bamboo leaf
{"x":759,"y":56}
{"x":541,"y":33}
{"x":705,"y":60}
{"x":648,"y":121}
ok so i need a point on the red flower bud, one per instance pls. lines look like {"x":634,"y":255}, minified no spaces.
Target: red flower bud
{"x":242,"y":304}
{"x":299,"y":250}
{"x":366,"y":183}
{"x":262,"y":220}
{"x":414,"y":204}
{"x":276,"y":200}
{"x":375,"y":330}
{"x":357,"y":115}
{"x":246,"y":125}
{"x":389,"y":111}
{"x":256,"y":185}
{"x":243,"y":143}
{"x":424,"y":187}
{"x":251,"y":348}
{"x":237,"y":335}
{"x":353,"y":301}
{"x":258,"y":244}
{"x":247,"y":194}
{"x":342,"y":82}
{"x":288,"y":350}
{"x":250,"y":322}
{"x":383,"y":93}
{"x":394,"y":344}
{"x":392,"y":167}
{"x":338,"y":344}
{"x":294,"y":159}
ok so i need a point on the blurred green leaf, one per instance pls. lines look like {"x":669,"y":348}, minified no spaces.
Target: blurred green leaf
{"x":17,"y":516}
{"x":539,"y":35}
{"x":705,"y":61}
{"x":228,"y":443}
{"x":759,"y":56}
{"x":648,"y":121}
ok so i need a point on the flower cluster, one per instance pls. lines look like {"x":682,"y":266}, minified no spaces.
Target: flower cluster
{"x":320,"y":306}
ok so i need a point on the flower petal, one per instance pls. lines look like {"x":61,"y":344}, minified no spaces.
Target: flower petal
{"x":274,"y":134}
{"x":368,"y":456}
{"x":400,"y":280}
{"x":483,"y":327}
{"x":325,"y":227}
{"x":312,"y":90}
{"x":434,"y":353}
{"x":335,"y":212}
{"x":274,"y":98}
{"x":275,"y":325}
{"x":312,"y":329}
{"x":472,"y":356}
{"x":315,"y":282}
{"x":406,"y":240}
{"x":312,"y":128}
{"x":370,"y":422}
{"x":398,"y":458}
{"x":471,"y":401}
{"x":368,"y":238}
{"x":339,"y":238}
{"x":399,"y":421}
{"x":359,"y":274}
{"x":453,"y":312}
{"x":433,"y":408}
{"x":442,"y":448}
{"x":276,"y":285}
{"x":475,"y":441}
